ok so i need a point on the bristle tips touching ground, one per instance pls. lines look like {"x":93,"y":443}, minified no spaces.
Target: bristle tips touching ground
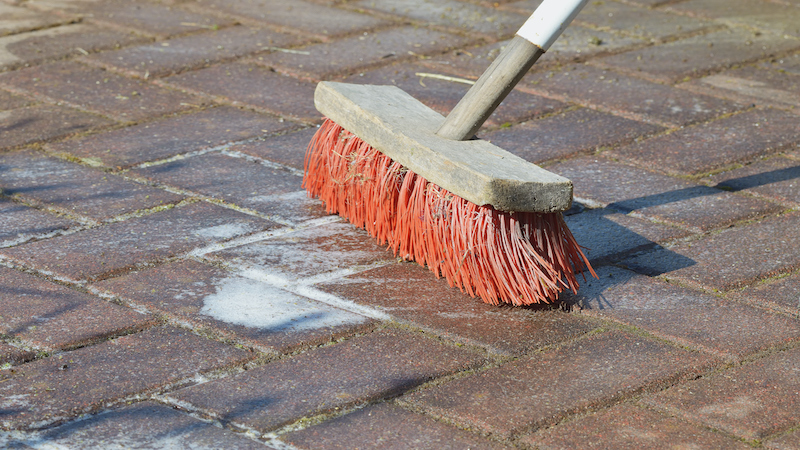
{"x":517,"y":258}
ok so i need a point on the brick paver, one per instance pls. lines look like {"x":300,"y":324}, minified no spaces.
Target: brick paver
{"x":253,"y":86}
{"x":123,"y":246}
{"x":699,"y":55}
{"x":629,"y":96}
{"x":57,"y":42}
{"x":123,"y":148}
{"x":145,"y":424}
{"x":772,"y":178}
{"x":377,"y":365}
{"x":630,"y":427}
{"x":752,"y":401}
{"x":409,"y":294}
{"x":225,"y":303}
{"x":731,"y":330}
{"x":98,"y":91}
{"x":262,"y":187}
{"x":63,"y":185}
{"x":732,"y":258}
{"x":53,"y":389}
{"x":346,"y":56}
{"x":300,"y":15}
{"x":49,"y":316}
{"x":664,"y":198}
{"x":718,"y":144}
{"x":567,"y":134}
{"x":194,"y":51}
{"x":43,"y":122}
{"x":386,"y":426}
{"x":540,"y":390}
{"x":166,"y":281}
{"x":20,"y":223}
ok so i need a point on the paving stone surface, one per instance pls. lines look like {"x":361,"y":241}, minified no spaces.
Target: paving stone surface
{"x":122,"y":246}
{"x":10,"y":355}
{"x":57,"y":42}
{"x":575,"y":44}
{"x":441,"y":95}
{"x":18,"y":19}
{"x":450,"y":13}
{"x":655,"y":25}
{"x":386,"y":426}
{"x":253,"y":86}
{"x":52,"y":317}
{"x":774,"y":178}
{"x":231,"y":305}
{"x":20,"y":223}
{"x":310,"y":251}
{"x":287,"y":149}
{"x":629,"y":96}
{"x":782,"y":294}
{"x":409,"y":294}
{"x":752,"y":85}
{"x":259,"y":186}
{"x":126,"y":147}
{"x":98,"y":91}
{"x":657,"y":196}
{"x":630,"y":427}
{"x":145,"y":17}
{"x":194,"y":51}
{"x":301,"y":15}
{"x":12,"y":101}
{"x":608,"y":235}
{"x":346,"y":56}
{"x":732,"y":258}
{"x":539,"y":390}
{"x":380,"y":364}
{"x":753,"y":401}
{"x":165,"y":281}
{"x":51,"y":182}
{"x":764,"y":16}
{"x":715,"y":145}
{"x":698,"y":56}
{"x":578,"y":131}
{"x":50,"y":390}
{"x":43,"y":122}
{"x":730,"y":330}
{"x":143,"y":425}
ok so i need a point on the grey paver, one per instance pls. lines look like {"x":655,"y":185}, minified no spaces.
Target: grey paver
{"x":21,"y":223}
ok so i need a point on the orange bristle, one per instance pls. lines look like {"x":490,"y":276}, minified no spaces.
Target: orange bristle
{"x":501,"y":257}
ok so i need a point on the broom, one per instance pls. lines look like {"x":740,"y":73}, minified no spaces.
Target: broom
{"x":485,"y":219}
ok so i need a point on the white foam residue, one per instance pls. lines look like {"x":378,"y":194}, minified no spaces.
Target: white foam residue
{"x":254,"y":304}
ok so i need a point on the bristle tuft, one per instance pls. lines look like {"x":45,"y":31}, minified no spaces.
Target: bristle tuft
{"x":501,"y":257}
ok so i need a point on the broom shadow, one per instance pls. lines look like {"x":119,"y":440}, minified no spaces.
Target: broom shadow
{"x":608,"y":242}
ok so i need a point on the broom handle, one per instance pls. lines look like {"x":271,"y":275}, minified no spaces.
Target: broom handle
{"x":531,"y":41}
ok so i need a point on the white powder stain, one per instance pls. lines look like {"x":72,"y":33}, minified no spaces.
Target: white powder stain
{"x":253,"y":304}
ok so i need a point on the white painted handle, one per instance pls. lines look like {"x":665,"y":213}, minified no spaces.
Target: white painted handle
{"x":549,"y":20}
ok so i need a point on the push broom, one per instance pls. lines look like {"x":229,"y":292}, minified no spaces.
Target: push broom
{"x":488,"y":221}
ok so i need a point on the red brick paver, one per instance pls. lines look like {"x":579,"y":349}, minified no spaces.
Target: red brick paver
{"x":53,"y":389}
{"x":379,"y":364}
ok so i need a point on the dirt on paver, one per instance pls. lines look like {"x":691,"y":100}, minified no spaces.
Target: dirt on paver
{"x":165,"y":282}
